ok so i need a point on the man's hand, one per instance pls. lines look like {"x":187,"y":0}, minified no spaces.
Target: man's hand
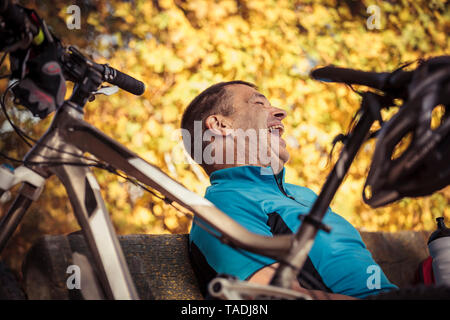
{"x":264,"y":275}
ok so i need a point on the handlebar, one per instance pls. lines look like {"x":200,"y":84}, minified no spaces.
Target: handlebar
{"x":120,"y":79}
{"x":394,"y":83}
{"x":350,"y":76}
{"x":75,"y":64}
{"x":17,"y":18}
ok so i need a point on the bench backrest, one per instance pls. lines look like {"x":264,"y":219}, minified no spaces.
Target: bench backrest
{"x":161,"y":268}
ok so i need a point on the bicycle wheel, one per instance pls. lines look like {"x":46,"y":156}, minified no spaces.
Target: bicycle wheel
{"x":9,"y":286}
{"x":415,"y":293}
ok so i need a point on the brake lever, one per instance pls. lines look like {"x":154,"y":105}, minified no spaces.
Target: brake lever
{"x":107,"y":90}
{"x":234,"y":289}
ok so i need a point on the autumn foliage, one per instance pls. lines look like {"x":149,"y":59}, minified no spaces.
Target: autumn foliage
{"x":180,"y":47}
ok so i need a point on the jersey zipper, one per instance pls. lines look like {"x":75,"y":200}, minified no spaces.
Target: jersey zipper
{"x":280,"y":186}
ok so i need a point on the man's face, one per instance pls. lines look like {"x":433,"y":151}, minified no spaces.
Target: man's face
{"x":253,"y":112}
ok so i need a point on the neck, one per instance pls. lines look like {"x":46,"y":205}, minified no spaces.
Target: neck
{"x":274,"y":161}
{"x":212,"y":168}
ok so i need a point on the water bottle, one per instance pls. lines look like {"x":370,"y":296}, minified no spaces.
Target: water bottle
{"x":439,"y":247}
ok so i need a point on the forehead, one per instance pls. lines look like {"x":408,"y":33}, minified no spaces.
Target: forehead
{"x":243,"y":93}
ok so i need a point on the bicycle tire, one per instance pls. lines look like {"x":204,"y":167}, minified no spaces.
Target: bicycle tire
{"x":415,"y":293}
{"x":10,"y":288}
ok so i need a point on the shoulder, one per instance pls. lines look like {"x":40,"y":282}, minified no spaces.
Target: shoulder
{"x":245,"y":206}
{"x":228,"y":196}
{"x":302,"y":194}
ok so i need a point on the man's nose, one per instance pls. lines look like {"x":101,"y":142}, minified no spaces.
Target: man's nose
{"x":278,"y":113}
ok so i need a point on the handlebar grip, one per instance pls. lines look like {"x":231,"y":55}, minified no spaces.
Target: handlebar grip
{"x":124,"y":81}
{"x":375,"y":80}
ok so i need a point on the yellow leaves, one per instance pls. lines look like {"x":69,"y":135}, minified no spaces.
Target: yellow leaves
{"x":158,"y":211}
{"x":143,"y":216}
{"x":220,"y":35}
{"x":94,"y":21}
{"x":170,"y":115}
{"x":171,"y":222}
{"x":116,"y":191}
{"x":211,"y":59}
{"x":153,"y":127}
{"x":138,"y":139}
{"x":146,"y":9}
{"x":257,"y":6}
{"x":162,"y":59}
{"x":125,"y":11}
{"x":404,"y":16}
{"x":200,"y":7}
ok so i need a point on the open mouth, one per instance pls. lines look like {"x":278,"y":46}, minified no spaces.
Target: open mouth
{"x":278,"y":129}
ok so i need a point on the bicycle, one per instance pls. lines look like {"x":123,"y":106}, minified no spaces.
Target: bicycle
{"x":61,"y":152}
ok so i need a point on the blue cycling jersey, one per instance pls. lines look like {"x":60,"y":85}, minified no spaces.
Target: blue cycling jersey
{"x":264,"y":204}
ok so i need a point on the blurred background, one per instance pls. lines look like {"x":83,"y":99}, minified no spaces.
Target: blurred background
{"x":180,"y":47}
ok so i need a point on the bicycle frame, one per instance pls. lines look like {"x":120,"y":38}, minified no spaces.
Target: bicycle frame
{"x":66,"y":140}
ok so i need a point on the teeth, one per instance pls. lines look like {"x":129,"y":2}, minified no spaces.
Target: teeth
{"x":271,"y":128}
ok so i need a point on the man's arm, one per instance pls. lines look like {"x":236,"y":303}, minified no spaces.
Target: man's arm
{"x":264,"y":275}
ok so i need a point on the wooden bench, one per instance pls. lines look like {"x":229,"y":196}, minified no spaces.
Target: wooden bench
{"x":161,"y":269}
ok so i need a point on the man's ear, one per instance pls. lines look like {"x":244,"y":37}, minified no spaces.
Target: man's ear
{"x":218,"y":124}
